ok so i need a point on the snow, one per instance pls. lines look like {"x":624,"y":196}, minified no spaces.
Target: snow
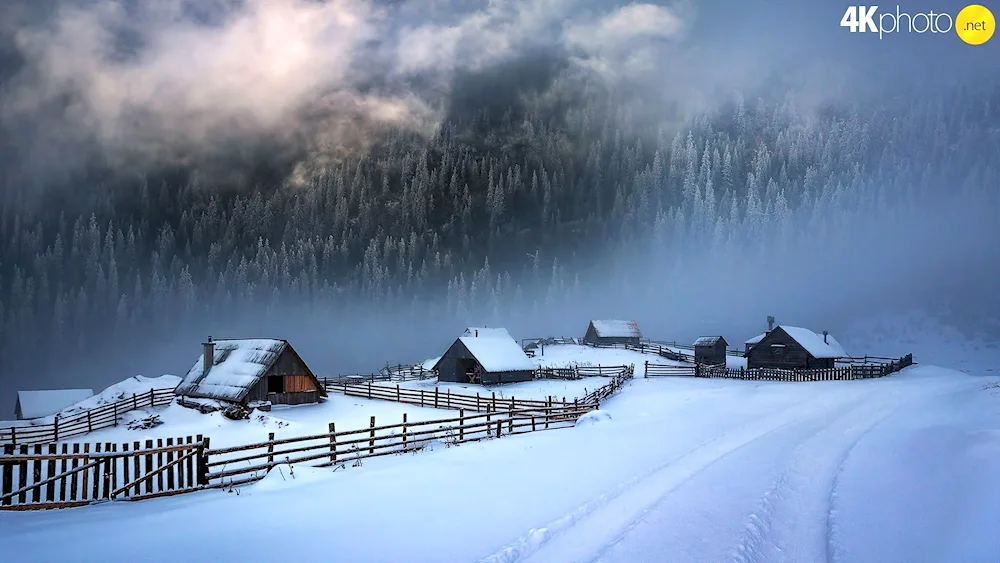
{"x":484,"y":332}
{"x":136,"y":385}
{"x":756,"y":339}
{"x":616,"y":329}
{"x":497,"y":353}
{"x":896,"y":469}
{"x":814,"y":343}
{"x":237,"y":366}
{"x":36,"y":404}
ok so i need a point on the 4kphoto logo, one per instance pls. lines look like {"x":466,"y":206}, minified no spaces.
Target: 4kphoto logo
{"x":974,"y":24}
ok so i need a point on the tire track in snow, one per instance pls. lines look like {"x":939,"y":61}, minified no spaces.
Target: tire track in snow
{"x":618,"y":504}
{"x":790,"y":522}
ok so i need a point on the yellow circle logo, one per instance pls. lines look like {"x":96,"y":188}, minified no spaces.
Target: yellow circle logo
{"x":975,"y":24}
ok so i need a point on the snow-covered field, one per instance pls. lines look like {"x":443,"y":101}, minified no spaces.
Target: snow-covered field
{"x":899,"y":469}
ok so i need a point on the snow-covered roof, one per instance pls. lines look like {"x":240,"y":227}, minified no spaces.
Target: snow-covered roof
{"x":237,"y":366}
{"x":708,"y":340}
{"x":814,"y":344}
{"x":497,"y":354}
{"x":486,"y":332}
{"x":36,"y":404}
{"x":756,"y":339}
{"x":616,"y":329}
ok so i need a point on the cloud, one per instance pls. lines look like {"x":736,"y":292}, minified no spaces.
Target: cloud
{"x":169,"y":81}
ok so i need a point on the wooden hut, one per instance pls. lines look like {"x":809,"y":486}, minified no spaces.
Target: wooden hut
{"x":487,"y":357}
{"x":710,"y":350}
{"x":612,"y":332}
{"x":47,"y":402}
{"x":790,"y":347}
{"x":250,"y":371}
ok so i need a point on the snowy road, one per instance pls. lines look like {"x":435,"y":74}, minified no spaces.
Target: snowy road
{"x":894,"y":470}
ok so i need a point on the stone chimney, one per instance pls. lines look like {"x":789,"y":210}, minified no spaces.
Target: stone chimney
{"x":825,"y":334}
{"x":770,"y":324}
{"x":208,"y":355}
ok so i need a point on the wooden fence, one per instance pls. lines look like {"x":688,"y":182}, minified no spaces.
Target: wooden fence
{"x":845,"y":373}
{"x":650,"y":348}
{"x":445,"y":399}
{"x":244,"y":464}
{"x":82,"y":423}
{"x":579,"y":372}
{"x":67,"y":475}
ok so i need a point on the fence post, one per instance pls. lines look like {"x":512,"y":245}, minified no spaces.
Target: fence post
{"x":135,"y":402}
{"x":371,"y":438}
{"x":404,"y":431}
{"x":114,"y":406}
{"x":599,"y":371}
{"x":478,"y":408}
{"x":369,"y":389}
{"x":548,"y":410}
{"x":90,"y":426}
{"x":203,"y":461}
{"x":270,"y":449}
{"x":645,"y":370}
{"x":461,"y":424}
{"x":421,"y":397}
{"x":151,"y":398}
{"x":494,"y":400}
{"x":397,"y":393}
{"x":697,"y":371}
{"x":333,"y":438}
{"x":55,"y":428}
{"x":13,"y":435}
{"x":435,"y":396}
{"x":448,"y":398}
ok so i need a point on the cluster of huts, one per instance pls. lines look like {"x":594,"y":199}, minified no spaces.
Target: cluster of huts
{"x":253,"y":372}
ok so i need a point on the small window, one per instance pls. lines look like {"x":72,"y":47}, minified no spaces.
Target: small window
{"x":275,"y":384}
{"x":778,"y":350}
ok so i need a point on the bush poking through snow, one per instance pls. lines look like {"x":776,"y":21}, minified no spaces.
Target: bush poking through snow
{"x":593,"y":417}
{"x":236,"y":412}
{"x":145,"y":423}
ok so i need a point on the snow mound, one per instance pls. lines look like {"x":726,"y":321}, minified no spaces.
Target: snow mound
{"x":593,"y":417}
{"x":122,"y":390}
{"x":285,"y":475}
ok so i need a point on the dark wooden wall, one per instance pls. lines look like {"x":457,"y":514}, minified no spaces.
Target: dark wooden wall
{"x":793,"y":356}
{"x":297,"y":382}
{"x":711,"y":355}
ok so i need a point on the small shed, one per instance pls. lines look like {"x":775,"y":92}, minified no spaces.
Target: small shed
{"x":243,"y":371}
{"x":488,"y":358}
{"x":790,"y":347}
{"x":47,"y":402}
{"x":612,"y":332}
{"x":710,"y":350}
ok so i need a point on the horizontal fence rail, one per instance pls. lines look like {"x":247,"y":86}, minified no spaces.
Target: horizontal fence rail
{"x":67,"y":475}
{"x":78,"y":424}
{"x":244,"y":464}
{"x":845,"y":373}
{"x":579,"y":372}
{"x":644,"y":347}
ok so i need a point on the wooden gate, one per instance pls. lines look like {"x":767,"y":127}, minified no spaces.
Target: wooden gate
{"x":40,"y":477}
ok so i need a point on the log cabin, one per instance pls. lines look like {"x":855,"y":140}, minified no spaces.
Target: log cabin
{"x":244,"y":371}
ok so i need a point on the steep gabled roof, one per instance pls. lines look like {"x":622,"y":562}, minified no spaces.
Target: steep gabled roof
{"x":709,"y":341}
{"x":814,"y":344}
{"x":237,"y":366}
{"x":45,"y":402}
{"x":616,"y":329}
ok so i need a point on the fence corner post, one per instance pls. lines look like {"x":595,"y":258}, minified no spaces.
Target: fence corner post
{"x":152,"y":398}
{"x":333,"y":439}
{"x":55,"y":428}
{"x":203,"y":462}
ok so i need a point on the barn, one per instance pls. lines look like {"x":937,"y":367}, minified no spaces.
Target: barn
{"x":485,"y":356}
{"x":790,"y":347}
{"x":47,"y":402}
{"x":710,"y":350}
{"x":612,"y":332}
{"x":245,"y":371}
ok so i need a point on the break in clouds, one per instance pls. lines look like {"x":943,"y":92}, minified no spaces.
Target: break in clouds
{"x":158,"y":82}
